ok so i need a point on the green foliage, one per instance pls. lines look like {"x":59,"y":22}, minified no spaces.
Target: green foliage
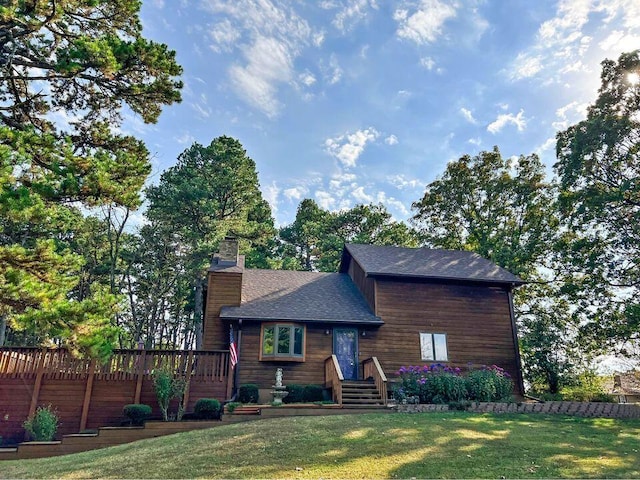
{"x":588,"y":387}
{"x":42,"y":425}
{"x":211,"y":192}
{"x":438,"y":383}
{"x":137,"y":413}
{"x":208,"y":409}
{"x":231,"y":406}
{"x":312,"y":393}
{"x":296,"y":394}
{"x":489,"y":384}
{"x":168,"y":387}
{"x":314,"y":241}
{"x":598,"y":169}
{"x":92,"y":62}
{"x":248,"y":393}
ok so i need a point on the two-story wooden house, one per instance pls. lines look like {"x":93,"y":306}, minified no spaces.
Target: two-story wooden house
{"x":387,"y":307}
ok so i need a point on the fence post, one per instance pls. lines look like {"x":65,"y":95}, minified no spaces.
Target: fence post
{"x":87,"y":394}
{"x":36,"y":387}
{"x":142,"y":360}
{"x":188,"y":375}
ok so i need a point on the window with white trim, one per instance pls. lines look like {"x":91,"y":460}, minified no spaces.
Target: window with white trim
{"x":282,"y":340}
{"x":433,"y":347}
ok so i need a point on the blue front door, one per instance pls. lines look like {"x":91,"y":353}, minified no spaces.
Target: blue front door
{"x":345,"y":348}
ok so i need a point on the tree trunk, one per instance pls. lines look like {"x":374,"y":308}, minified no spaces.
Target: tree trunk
{"x":3,"y":329}
{"x":197,"y":313}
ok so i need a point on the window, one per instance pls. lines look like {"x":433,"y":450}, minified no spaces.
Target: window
{"x":282,"y":342}
{"x":433,"y":347}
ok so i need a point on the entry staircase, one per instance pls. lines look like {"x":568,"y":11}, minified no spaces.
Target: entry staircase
{"x":369,"y":393}
{"x":361,"y":393}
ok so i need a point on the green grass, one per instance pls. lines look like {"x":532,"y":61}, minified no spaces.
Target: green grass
{"x":445,"y":445}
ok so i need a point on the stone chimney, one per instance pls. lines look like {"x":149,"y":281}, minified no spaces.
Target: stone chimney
{"x":227,"y":255}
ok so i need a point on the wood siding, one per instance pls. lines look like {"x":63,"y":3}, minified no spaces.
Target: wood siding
{"x":365,"y":284}
{"x":311,"y":371}
{"x":475,"y":319}
{"x":224,"y":289}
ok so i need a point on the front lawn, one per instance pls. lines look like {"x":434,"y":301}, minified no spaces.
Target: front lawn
{"x":433,"y":445}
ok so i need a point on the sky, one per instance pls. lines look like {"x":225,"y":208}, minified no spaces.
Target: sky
{"x":366,"y":101}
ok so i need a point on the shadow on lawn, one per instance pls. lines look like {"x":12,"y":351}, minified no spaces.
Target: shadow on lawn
{"x":452,"y":445}
{"x":530,"y":447}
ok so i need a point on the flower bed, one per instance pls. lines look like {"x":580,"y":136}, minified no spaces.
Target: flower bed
{"x":442,"y":384}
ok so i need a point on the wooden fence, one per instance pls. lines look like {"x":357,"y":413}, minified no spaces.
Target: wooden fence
{"x":88,"y":394}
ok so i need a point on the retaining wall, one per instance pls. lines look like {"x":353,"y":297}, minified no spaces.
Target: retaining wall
{"x":578,"y":409}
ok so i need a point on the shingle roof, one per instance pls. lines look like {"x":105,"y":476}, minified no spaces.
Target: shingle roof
{"x":378,"y":260}
{"x":300,"y":296}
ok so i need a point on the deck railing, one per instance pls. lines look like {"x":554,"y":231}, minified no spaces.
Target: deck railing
{"x":333,"y":378}
{"x":373,"y":369}
{"x":198,"y":365}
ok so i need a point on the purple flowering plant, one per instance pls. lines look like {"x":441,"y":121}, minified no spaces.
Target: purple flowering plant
{"x":440,"y":383}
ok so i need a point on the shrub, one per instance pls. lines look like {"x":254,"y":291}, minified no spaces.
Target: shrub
{"x":312,"y":393}
{"x":296,"y":394}
{"x":167,"y":387}
{"x":137,"y":413}
{"x":440,"y":383}
{"x":208,"y":409}
{"x":435,"y":383}
{"x":489,"y":384}
{"x":42,"y":425}
{"x":588,"y":387}
{"x":248,"y":393}
{"x":231,"y":406}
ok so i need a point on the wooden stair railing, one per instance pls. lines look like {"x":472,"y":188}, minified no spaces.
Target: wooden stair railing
{"x":333,"y":378}
{"x":373,"y":369}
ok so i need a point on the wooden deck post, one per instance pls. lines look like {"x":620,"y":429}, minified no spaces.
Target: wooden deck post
{"x":142,"y":360}
{"x":87,"y":394}
{"x":230,"y":374}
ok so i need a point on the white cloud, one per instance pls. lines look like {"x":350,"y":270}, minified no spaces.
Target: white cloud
{"x":525,"y":65}
{"x":348,"y":148}
{"x":270,"y":36}
{"x":325,"y":199}
{"x":564,"y":42}
{"x":307,"y":78}
{"x":401,"y":182}
{"x":505,"y":119}
{"x":333,"y":73}
{"x":271,"y":194}
{"x":475,"y":141}
{"x":158,"y":3}
{"x":392,"y":202}
{"x":468,"y":116}
{"x":269,"y":63}
{"x":391,"y":140}
{"x":360,"y":196}
{"x":185,"y":138}
{"x":295,"y":193}
{"x":424,"y":25}
{"x":203,"y":110}
{"x":353,"y":12}
{"x":428,"y":63}
{"x":224,"y":36}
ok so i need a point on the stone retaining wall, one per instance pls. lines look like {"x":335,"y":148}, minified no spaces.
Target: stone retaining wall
{"x":577,"y":409}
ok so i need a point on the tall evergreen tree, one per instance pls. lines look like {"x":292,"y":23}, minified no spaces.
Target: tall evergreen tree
{"x":84,"y":60}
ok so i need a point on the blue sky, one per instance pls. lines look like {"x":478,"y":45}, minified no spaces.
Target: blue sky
{"x":366,"y":101}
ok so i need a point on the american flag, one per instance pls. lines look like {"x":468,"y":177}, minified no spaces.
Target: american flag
{"x":233,"y":350}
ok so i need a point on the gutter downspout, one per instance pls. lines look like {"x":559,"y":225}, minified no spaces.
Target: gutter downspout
{"x":516,"y":345}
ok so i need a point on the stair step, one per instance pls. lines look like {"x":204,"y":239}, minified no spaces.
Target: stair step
{"x":360,"y":395}
{"x":80,"y":435}
{"x":354,"y":401}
